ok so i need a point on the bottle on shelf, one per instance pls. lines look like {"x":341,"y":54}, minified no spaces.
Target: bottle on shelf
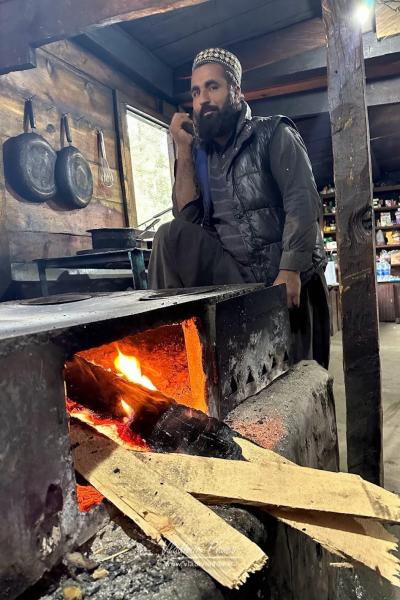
{"x":380,"y":238}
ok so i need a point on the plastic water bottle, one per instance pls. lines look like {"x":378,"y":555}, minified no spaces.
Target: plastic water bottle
{"x":379,"y":270}
{"x":387,"y":269}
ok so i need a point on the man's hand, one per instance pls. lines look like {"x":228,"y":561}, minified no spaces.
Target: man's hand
{"x":293,"y":286}
{"x":182,"y":138}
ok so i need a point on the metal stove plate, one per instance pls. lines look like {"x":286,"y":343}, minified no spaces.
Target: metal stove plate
{"x":56,"y":299}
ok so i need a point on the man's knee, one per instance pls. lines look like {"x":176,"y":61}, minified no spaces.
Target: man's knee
{"x":162,"y":235}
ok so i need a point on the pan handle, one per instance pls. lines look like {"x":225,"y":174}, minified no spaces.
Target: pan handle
{"x":66,"y":129}
{"x":102,"y":147}
{"x":29,"y":115}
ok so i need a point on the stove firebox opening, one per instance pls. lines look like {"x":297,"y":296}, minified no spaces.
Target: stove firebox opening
{"x":139,"y":389}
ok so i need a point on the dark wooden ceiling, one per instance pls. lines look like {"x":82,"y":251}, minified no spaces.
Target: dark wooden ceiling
{"x":178,"y":35}
{"x":282,"y":48}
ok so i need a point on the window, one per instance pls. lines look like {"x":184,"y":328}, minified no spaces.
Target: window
{"x":150,"y":148}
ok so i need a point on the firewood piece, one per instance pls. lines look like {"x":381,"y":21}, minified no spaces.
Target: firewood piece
{"x":139,"y":491}
{"x":276,"y":485}
{"x":189,"y":431}
{"x":362,"y":540}
{"x":102,"y":391}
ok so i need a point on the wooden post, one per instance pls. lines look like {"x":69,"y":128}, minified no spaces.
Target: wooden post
{"x":355,"y":238}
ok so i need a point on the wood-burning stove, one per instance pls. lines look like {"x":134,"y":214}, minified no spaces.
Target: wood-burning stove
{"x":225,"y":343}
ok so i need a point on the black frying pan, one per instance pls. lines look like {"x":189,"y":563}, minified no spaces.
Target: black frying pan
{"x":29,"y":162}
{"x":72,"y":172}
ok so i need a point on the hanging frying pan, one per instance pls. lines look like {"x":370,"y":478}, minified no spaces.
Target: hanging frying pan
{"x":29,"y":162}
{"x":73,"y":175}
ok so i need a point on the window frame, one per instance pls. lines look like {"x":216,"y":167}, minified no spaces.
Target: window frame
{"x":122,"y":106}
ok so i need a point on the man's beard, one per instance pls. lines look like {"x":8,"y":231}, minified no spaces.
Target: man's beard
{"x":220,"y":123}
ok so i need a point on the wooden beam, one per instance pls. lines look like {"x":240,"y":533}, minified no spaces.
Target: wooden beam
{"x":122,"y":51}
{"x":289,"y":54}
{"x":27,"y":24}
{"x":355,"y":238}
{"x":314,"y":102}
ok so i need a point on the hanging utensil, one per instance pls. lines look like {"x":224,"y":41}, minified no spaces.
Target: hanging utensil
{"x":72,"y":172}
{"x":106,"y":175}
{"x":29,"y":161}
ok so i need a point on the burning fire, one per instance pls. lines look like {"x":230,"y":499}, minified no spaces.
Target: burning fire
{"x":129,"y":367}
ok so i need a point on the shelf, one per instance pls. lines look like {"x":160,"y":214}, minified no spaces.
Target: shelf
{"x":387,"y":188}
{"x":328,"y":233}
{"x":387,"y":246}
{"x":377,"y":189}
{"x":386,"y":208}
{"x":387,"y":227}
{"x":329,"y":214}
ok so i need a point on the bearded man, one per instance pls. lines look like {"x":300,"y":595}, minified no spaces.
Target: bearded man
{"x":246,"y":205}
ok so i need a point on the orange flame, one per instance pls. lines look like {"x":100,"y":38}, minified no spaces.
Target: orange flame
{"x":129,"y":367}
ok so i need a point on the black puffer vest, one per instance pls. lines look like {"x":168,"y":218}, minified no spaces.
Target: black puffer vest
{"x":257,"y":201}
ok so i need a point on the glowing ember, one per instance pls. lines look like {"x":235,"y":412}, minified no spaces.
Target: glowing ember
{"x":87,"y":497}
{"x":129,"y":367}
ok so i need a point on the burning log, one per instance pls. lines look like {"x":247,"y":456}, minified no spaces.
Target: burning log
{"x":165,"y":425}
{"x":107,"y":393}
{"x":188,"y":431}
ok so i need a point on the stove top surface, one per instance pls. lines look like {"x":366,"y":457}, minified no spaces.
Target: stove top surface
{"x":25,"y":317}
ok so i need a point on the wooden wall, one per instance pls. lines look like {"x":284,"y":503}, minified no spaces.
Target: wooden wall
{"x":66,"y":80}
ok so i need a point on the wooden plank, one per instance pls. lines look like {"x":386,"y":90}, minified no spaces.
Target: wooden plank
{"x":51,"y":217}
{"x":387,"y":17}
{"x":96,"y":70}
{"x":315,"y":102}
{"x":125,"y":159}
{"x":362,"y":540}
{"x":144,"y":495}
{"x":23,"y":28}
{"x":273,"y":484}
{"x":356,"y":244}
{"x":27,"y":245}
{"x":272,"y":47}
{"x":276,"y":485}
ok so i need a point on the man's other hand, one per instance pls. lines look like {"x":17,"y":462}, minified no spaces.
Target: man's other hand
{"x":182,"y":138}
{"x":293,"y":286}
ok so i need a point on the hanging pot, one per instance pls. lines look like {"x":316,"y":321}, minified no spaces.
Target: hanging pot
{"x":72,"y":172}
{"x":29,"y":162}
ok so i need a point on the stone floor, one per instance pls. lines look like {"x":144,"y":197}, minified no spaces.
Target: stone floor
{"x":365,"y":586}
{"x":390,"y":362}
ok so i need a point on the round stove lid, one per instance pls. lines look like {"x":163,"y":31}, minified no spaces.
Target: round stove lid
{"x":56,"y":299}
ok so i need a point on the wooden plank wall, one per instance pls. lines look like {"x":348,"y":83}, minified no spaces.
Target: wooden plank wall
{"x":66,"y":80}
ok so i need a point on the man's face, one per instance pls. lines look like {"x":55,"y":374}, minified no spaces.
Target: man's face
{"x":215,"y":102}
